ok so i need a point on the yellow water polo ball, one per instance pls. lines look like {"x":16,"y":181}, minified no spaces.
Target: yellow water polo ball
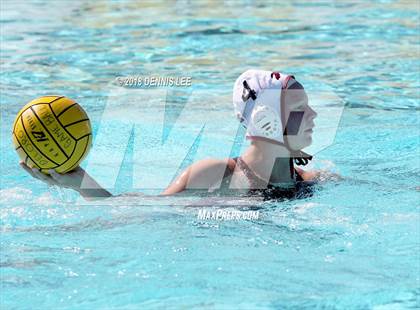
{"x":52,"y":132}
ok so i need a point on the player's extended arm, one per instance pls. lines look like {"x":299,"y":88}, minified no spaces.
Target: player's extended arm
{"x":90,"y":190}
{"x":201,"y":175}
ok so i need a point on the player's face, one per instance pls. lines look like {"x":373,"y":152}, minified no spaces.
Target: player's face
{"x":299,"y":119}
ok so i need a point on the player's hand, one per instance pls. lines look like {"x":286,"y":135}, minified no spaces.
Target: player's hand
{"x":71,"y":179}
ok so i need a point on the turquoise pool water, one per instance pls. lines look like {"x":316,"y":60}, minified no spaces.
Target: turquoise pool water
{"x":353,"y":245}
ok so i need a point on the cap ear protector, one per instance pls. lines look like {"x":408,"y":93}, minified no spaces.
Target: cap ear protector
{"x":266,"y":122}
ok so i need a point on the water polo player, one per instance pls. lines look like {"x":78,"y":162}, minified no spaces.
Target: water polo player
{"x":279,"y":123}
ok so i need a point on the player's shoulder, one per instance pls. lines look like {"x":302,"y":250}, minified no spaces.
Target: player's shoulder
{"x":212,"y":163}
{"x":306,"y":175}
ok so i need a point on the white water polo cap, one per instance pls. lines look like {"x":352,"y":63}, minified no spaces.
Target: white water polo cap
{"x":257,"y":103}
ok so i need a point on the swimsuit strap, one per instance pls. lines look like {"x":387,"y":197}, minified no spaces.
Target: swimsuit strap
{"x":227,"y":176}
{"x":255,"y":181}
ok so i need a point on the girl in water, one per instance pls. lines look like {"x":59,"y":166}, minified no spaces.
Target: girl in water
{"x":274,"y":109}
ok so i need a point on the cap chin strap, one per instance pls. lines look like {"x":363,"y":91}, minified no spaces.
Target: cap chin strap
{"x":300,"y":158}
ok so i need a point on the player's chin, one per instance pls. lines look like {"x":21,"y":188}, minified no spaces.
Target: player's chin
{"x":299,"y":142}
{"x":304,"y":141}
{"x":307,"y":137}
{"x":308,"y":141}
